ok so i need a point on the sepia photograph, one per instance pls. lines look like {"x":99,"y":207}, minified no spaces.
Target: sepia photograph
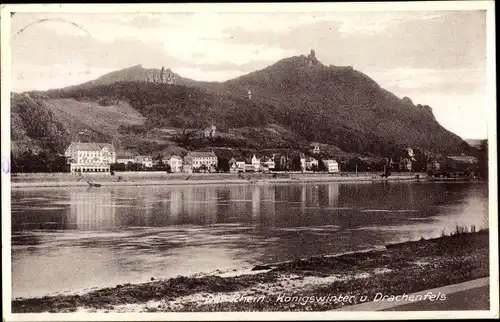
{"x":252,"y":161}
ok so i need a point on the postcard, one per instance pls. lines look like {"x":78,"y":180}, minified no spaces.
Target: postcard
{"x":271,"y":161}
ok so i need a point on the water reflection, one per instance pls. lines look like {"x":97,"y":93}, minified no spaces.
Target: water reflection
{"x":72,"y":238}
{"x":94,"y":210}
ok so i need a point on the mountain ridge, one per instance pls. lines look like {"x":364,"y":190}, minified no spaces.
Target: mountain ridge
{"x":335,"y":105}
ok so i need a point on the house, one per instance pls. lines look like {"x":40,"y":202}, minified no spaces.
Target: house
{"x":311,"y":164}
{"x":267,"y":162}
{"x":410,"y":153}
{"x":210,"y":132}
{"x":302,"y":162}
{"x":90,"y":157}
{"x":433,"y":166}
{"x":405,"y":164}
{"x":123,"y":159}
{"x":331,"y":166}
{"x":145,"y":160}
{"x":256,"y":163}
{"x":236,"y":165}
{"x":175,"y":162}
{"x":187,"y":168}
{"x":249,"y":167}
{"x":233,"y":166}
{"x":314,"y":148}
{"x":280,"y":162}
{"x":201,"y":160}
{"x":240,"y":164}
{"x":460,"y":164}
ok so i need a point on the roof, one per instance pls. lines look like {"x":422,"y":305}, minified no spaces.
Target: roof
{"x":309,"y":159}
{"x":463,"y":159}
{"x":329,"y":160}
{"x":237,"y":159}
{"x":247,"y":159}
{"x":202,"y":154}
{"x":172,"y":157}
{"x":91,"y":146}
{"x":125,"y":157}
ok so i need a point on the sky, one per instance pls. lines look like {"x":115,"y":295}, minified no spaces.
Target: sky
{"x":437,"y":58}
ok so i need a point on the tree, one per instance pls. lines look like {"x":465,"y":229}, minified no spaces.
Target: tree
{"x":135,"y":167}
{"x":483,"y":160}
{"x":41,"y":162}
{"x":321,"y":165}
{"x":296,"y":164}
{"x":223,"y":164}
{"x":118,"y":167}
{"x":356,"y":164}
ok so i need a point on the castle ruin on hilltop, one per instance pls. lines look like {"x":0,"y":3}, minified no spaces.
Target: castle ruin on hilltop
{"x":312,"y":58}
{"x":165,"y":76}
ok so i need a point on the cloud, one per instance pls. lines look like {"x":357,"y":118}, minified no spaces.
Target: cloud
{"x":451,"y":40}
{"x":52,"y":48}
{"x":41,"y":77}
{"x":445,"y":81}
{"x":118,"y":41}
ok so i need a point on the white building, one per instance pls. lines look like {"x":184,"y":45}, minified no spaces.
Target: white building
{"x":314,"y":148}
{"x":302,"y":162}
{"x":210,"y":132}
{"x":249,"y":167}
{"x":199,"y":159}
{"x":311,"y":163}
{"x":90,"y":157}
{"x":187,"y":168}
{"x":268,"y":162}
{"x":145,"y":160}
{"x":175,"y":162}
{"x":237,"y":165}
{"x":240,"y":165}
{"x":256,"y":163}
{"x":331,"y":166}
{"x":125,"y":159}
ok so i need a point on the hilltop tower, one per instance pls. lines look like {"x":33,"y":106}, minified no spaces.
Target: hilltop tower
{"x":169,"y":77}
{"x":312,"y":58}
{"x":162,"y":75}
{"x":166,"y":76}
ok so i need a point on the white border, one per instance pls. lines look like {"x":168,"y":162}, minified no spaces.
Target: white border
{"x":246,"y":7}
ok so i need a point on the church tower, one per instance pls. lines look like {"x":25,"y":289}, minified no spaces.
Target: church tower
{"x":249,"y":95}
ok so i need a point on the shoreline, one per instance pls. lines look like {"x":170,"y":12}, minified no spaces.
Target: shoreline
{"x":162,"y":179}
{"x":317,"y":283}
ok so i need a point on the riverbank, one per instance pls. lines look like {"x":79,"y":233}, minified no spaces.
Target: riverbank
{"x":162,"y":178}
{"x":314,"y":284}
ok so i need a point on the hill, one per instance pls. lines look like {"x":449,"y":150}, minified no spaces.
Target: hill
{"x":293,"y":102}
{"x":477,"y":143}
{"x":344,"y":107}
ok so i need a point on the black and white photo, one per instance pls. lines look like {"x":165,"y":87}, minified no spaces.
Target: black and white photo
{"x":180,"y":160}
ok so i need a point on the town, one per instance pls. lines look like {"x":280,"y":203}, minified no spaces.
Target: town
{"x":85,"y":157}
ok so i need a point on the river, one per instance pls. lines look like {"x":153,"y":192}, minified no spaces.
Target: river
{"x":74,"y":239}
